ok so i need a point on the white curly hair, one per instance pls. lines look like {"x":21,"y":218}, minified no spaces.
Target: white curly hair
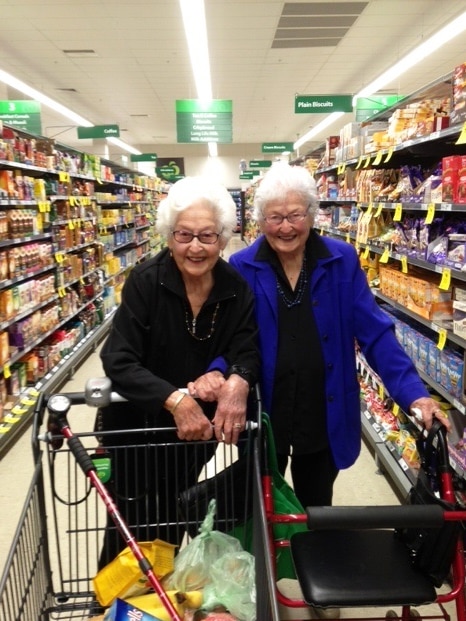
{"x":281,"y":179}
{"x":188,"y":190}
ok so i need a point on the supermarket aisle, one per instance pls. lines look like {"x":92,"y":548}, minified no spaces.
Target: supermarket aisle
{"x":361,"y":484}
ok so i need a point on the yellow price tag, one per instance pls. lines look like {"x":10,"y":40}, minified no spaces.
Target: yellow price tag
{"x":72,"y":201}
{"x":396,"y":409}
{"x":430,"y":213}
{"x":71,"y":225}
{"x":369,"y":209}
{"x":34,"y":392}
{"x":404,"y":265}
{"x":462,"y":136}
{"x":16,"y":409}
{"x":398,"y":212}
{"x":9,"y":418}
{"x":6,"y":371}
{"x":26,"y":401}
{"x":342,"y":168}
{"x":367,"y":162}
{"x":64,"y":177}
{"x":59,"y":258}
{"x":378,"y":158}
{"x":442,"y":338}
{"x":446,"y":279}
{"x":381,"y":391}
{"x":389,"y":155}
{"x":42,"y":206}
{"x":385,"y":256}
{"x":360,"y":160}
{"x":365,"y":254}
{"x":378,"y":211}
{"x":99,"y":180}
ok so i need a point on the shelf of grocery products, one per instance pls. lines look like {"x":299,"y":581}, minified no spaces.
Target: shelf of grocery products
{"x":71,"y":226}
{"x":18,"y":414}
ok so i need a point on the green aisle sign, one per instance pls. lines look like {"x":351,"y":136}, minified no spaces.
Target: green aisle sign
{"x":200,"y":122}
{"x":277,"y":147}
{"x":323,"y":104}
{"x":368,"y":106}
{"x":99,"y":131}
{"x":23,"y":114}
{"x":144,"y":157}
{"x":260,"y":163}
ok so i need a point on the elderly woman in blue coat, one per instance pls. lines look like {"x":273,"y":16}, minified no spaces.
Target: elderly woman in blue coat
{"x":313,"y":303}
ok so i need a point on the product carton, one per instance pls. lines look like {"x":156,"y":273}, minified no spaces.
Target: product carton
{"x":426,"y":299}
{"x":456,"y":251}
{"x":459,"y":318}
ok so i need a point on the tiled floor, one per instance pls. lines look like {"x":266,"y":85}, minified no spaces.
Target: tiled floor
{"x":360,"y":484}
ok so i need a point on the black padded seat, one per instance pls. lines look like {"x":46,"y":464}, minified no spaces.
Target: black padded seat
{"x":345,"y":568}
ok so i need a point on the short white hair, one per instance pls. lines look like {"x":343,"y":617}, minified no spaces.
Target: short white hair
{"x":189,"y":190}
{"x":280,"y":180}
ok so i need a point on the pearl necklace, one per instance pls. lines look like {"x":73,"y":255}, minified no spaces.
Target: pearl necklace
{"x":192,"y":328}
{"x":300,"y":287}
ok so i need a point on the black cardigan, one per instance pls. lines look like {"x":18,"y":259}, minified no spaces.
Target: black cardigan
{"x":149,"y":352}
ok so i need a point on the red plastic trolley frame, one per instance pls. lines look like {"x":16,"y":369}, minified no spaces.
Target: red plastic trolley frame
{"x":456,"y":589}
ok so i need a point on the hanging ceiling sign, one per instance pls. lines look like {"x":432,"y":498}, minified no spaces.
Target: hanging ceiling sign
{"x":144,"y":157}
{"x":260,"y":163}
{"x":368,"y":106}
{"x":322,"y":104}
{"x":277,"y":147}
{"x":23,"y":114}
{"x":204,"y":121}
{"x":99,"y":131}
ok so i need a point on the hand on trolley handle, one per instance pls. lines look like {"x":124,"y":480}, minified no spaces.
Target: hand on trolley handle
{"x":97,"y":393}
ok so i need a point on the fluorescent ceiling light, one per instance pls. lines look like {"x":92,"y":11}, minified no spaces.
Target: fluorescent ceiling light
{"x":331,"y":118}
{"x":451,"y":30}
{"x":50,"y":103}
{"x":126,"y":147}
{"x":80,"y":121}
{"x":193,"y":13}
{"x":195,"y":28}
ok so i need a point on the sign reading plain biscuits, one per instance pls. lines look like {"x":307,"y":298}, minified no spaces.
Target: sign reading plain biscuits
{"x":322,"y":104}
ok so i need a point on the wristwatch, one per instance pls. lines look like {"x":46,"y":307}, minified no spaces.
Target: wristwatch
{"x":243,"y":372}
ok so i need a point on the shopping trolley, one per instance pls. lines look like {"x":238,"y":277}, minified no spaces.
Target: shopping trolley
{"x":64,"y":527}
{"x":353,"y":557}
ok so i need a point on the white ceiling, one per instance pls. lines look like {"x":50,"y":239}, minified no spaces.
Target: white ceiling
{"x":140,"y":64}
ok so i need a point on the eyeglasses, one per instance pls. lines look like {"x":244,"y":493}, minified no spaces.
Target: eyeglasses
{"x":185,"y":237}
{"x":292,"y":218}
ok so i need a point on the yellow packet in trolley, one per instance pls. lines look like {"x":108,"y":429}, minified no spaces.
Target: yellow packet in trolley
{"x":123,"y":578}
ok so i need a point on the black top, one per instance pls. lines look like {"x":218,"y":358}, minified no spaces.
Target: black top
{"x":298,"y":407}
{"x":150,"y":351}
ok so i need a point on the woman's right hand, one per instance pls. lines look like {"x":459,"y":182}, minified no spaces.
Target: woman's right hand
{"x":190,"y":420}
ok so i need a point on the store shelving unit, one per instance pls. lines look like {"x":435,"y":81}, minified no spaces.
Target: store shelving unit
{"x":427,"y":150}
{"x":71,"y":227}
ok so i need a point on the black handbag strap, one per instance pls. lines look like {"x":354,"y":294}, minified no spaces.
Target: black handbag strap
{"x":440,"y":452}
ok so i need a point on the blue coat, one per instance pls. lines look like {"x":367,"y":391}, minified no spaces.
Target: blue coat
{"x":345,"y":311}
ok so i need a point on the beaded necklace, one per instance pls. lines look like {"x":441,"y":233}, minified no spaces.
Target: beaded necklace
{"x":300,"y":288}
{"x":192,"y":328}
